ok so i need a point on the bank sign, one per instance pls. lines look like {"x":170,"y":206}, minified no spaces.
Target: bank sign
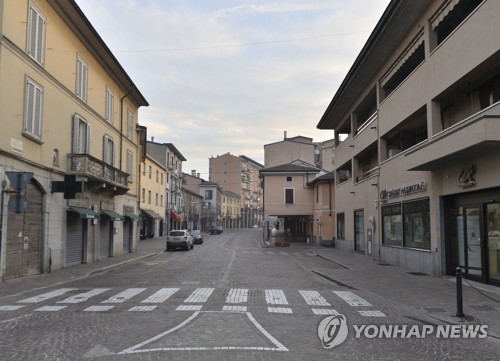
{"x":389,"y":193}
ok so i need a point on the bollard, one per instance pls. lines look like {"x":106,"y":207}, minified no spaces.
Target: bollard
{"x":460,"y":306}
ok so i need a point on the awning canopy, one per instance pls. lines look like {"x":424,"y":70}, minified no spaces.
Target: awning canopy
{"x":151,"y":213}
{"x":85,"y":213}
{"x":133,"y":217}
{"x":115,"y":217}
{"x":175,"y":216}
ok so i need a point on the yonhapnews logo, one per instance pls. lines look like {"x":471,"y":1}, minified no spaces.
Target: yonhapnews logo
{"x":333,"y":331}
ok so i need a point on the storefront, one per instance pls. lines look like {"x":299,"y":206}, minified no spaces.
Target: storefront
{"x":473,"y":235}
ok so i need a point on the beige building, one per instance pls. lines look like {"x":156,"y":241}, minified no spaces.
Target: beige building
{"x":153,"y":204}
{"x":288,"y":150}
{"x":193,"y":203}
{"x":69,"y":113}
{"x":230,"y":209}
{"x":240,"y":175}
{"x":417,"y":124}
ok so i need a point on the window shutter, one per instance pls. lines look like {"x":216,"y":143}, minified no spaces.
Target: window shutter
{"x":74,"y":135}
{"x":87,"y":143}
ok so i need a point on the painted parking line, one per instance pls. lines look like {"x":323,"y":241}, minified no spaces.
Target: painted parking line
{"x":161,"y":296}
{"x":82,"y":297}
{"x":124,"y":296}
{"x":237,"y":295}
{"x":276,"y":297}
{"x":200,"y":295}
{"x":352,"y":299}
{"x":286,"y":310}
{"x":313,"y":298}
{"x":47,"y":296}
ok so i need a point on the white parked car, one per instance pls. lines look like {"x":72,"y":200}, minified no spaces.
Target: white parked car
{"x":179,"y":238}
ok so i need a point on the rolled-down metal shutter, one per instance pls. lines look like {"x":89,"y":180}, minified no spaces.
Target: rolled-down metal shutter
{"x":127,"y":235}
{"x":105,"y":237}
{"x":75,"y":239}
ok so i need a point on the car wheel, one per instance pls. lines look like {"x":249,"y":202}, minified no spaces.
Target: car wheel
{"x":192,"y":245}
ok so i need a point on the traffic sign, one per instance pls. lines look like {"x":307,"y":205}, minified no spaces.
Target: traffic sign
{"x":19,"y":180}
{"x":18,"y":204}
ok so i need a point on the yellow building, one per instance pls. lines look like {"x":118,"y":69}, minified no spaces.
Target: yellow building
{"x":69,"y":116}
{"x":230,"y":209}
{"x":153,"y":183}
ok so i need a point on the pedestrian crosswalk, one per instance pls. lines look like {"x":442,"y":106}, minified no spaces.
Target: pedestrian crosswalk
{"x":188,"y":298}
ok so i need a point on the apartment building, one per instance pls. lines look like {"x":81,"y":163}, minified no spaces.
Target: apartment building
{"x":417,"y":128}
{"x":240,"y":175}
{"x":153,"y":204}
{"x":193,"y":203}
{"x":69,"y":113}
{"x":230,"y":209}
{"x":212,"y":204}
{"x":168,"y":155}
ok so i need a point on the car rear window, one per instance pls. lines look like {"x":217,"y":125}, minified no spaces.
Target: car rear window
{"x":177,"y":233}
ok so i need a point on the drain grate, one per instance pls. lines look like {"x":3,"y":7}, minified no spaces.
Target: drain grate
{"x":417,"y":273}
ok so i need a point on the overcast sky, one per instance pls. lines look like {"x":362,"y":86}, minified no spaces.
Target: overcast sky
{"x":230,"y":76}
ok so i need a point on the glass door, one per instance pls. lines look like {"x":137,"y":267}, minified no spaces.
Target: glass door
{"x":493,"y":252}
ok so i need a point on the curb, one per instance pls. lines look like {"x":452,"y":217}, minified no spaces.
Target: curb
{"x":111,"y":267}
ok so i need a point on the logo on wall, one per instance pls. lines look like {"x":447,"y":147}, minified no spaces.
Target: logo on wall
{"x":467,"y":176}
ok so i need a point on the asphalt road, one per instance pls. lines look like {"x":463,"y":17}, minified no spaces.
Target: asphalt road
{"x":227,"y":299}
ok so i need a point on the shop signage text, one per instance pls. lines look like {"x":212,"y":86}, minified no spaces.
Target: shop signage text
{"x":386,"y":194}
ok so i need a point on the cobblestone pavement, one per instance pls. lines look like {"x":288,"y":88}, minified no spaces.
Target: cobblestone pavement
{"x":228,"y":299}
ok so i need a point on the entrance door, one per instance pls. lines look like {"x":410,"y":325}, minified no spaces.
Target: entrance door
{"x":466,"y":240}
{"x":493,"y":255}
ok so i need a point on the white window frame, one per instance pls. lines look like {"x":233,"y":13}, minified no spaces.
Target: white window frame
{"x":108,"y":155}
{"x":130,"y":124}
{"x":110,"y":108}
{"x":82,"y":73}
{"x":36,"y":35}
{"x":33,"y":109}
{"x":130,"y":165}
{"x":81,"y":135}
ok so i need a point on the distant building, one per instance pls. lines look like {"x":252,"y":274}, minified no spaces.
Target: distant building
{"x":152,"y":203}
{"x":230,"y":209}
{"x":212,"y":204}
{"x":240,"y":175}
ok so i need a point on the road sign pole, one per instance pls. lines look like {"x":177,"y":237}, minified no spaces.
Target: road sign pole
{"x":4,"y":184}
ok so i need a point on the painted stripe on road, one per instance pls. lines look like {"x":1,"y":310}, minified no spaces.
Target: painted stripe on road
{"x":82,"y":297}
{"x":51,"y":308}
{"x":352,"y":299}
{"x":324,"y":311}
{"x":200,"y":295}
{"x":237,"y":295}
{"x":189,"y":308}
{"x":98,"y":308}
{"x":313,"y":298}
{"x":276,"y":297}
{"x":142,"y":308}
{"x":372,"y":313}
{"x":10,"y":308}
{"x":234,"y":308}
{"x":280,"y":310}
{"x":124,"y":296}
{"x":161,"y":296}
{"x":46,"y":296}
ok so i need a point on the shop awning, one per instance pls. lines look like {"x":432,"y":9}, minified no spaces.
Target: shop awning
{"x":133,"y":217}
{"x":175,"y":216}
{"x":115,"y":217}
{"x":151,"y":213}
{"x":85,"y":213}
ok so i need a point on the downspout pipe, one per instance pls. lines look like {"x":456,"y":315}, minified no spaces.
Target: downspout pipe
{"x":121,"y":124}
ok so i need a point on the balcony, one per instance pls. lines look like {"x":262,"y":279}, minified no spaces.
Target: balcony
{"x":101,"y":175}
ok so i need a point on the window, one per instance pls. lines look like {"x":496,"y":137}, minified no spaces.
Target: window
{"x":81,"y":135}
{"x":289,"y":195}
{"x":143,"y":195}
{"x":157,"y":175}
{"x":340,"y":225}
{"x":109,"y":150}
{"x":130,"y":165}
{"x":33,"y":109}
{"x":392,"y":225}
{"x":208,"y":194}
{"x":81,"y":79}
{"x":149,"y":197}
{"x":161,"y":177}
{"x":55,"y":157}
{"x":109,"y":105}
{"x":288,"y":179}
{"x":359,"y":231}
{"x":156,"y":199}
{"x":144,"y":169}
{"x":130,"y":124}
{"x":36,"y":35}
{"x":417,"y":224}
{"x":161,"y":200}
{"x":150,"y":172}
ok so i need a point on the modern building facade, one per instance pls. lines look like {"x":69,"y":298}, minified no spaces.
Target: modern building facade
{"x":417,"y":127}
{"x":70,"y":119}
{"x":240,"y":175}
{"x":152,"y":206}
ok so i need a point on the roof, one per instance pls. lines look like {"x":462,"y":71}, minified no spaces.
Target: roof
{"x":325,"y":178}
{"x":249,"y":160}
{"x":293,"y":167}
{"x":184,"y":189}
{"x":398,"y":20}
{"x":230,"y":194}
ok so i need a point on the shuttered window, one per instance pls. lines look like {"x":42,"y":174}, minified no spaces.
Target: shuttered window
{"x":81,"y":79}
{"x":36,"y":35}
{"x":81,"y":135}
{"x":33,"y":109}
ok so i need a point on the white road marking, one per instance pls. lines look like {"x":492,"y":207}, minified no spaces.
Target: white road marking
{"x":372,"y":313}
{"x":279,"y":310}
{"x":324,"y":311}
{"x":276,"y":297}
{"x":200,"y":295}
{"x":50,"y":308}
{"x":237,"y":295}
{"x":10,"y":308}
{"x":98,"y":308}
{"x":124,"y":296}
{"x":82,"y":297}
{"x":234,"y":308}
{"x":313,"y":298}
{"x":189,"y":308}
{"x":46,"y":296}
{"x":352,"y":299}
{"x":161,"y":296}
{"x":142,"y":308}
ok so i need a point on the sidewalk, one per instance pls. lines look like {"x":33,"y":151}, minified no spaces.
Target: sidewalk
{"x":434,"y":296}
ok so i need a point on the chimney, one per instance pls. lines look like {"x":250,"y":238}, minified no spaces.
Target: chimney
{"x":285,"y":135}
{"x":198,"y":175}
{"x":193,"y":172}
